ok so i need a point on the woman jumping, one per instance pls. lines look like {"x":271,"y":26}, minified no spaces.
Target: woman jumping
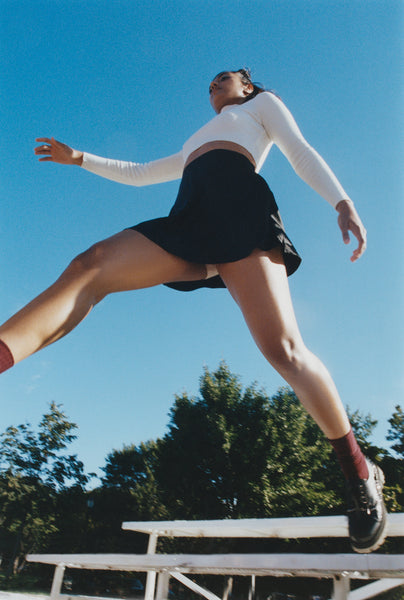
{"x":224,"y":230}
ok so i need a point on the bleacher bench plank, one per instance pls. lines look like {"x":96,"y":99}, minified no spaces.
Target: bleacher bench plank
{"x":357,"y":566}
{"x":288,"y":527}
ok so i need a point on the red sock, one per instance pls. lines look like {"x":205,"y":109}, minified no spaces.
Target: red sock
{"x":6,"y":358}
{"x":350,"y":456}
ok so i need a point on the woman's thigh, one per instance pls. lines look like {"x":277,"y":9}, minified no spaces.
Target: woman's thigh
{"x":129,"y":260}
{"x":260,"y":287}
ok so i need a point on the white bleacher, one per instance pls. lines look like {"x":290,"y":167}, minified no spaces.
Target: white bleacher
{"x":388,"y":569}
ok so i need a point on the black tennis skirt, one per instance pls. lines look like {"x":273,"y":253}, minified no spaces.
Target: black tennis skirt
{"x":223,"y":211}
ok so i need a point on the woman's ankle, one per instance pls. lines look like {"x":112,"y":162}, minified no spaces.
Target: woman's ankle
{"x":350,"y":457}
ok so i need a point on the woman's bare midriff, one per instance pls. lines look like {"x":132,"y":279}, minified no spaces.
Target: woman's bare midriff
{"x":219,"y":145}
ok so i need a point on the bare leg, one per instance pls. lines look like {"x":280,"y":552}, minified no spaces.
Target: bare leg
{"x":259,"y":285}
{"x":126,"y":261}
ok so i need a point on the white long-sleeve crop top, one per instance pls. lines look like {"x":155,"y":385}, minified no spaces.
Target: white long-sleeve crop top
{"x":256,"y":125}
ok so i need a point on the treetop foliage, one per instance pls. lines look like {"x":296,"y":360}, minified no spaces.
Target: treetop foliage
{"x":396,"y":431}
{"x":36,"y":456}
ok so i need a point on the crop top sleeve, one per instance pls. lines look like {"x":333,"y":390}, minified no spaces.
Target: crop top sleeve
{"x":283,"y":131}
{"x":138,"y":174}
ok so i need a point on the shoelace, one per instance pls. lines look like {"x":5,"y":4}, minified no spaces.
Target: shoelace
{"x":363,"y":499}
{"x":360,"y":498}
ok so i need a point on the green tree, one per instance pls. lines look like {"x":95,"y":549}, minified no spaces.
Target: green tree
{"x":131,"y":466}
{"x":33,"y":470}
{"x":302,"y":472}
{"x":235,"y":454}
{"x":132,"y":470}
{"x":396,"y":431}
{"x":129,"y":492}
{"x":392,"y":465}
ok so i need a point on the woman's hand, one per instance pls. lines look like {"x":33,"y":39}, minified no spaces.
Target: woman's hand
{"x":57,"y":152}
{"x":349,"y":220}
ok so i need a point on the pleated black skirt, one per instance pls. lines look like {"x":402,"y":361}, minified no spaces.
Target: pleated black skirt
{"x":223,"y":211}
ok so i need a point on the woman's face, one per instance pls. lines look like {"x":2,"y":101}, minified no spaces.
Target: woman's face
{"x":227,"y":88}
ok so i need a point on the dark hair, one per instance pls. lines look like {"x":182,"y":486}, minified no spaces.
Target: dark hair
{"x":245,"y":75}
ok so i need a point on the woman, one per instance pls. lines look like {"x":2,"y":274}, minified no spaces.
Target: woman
{"x":223,"y":230}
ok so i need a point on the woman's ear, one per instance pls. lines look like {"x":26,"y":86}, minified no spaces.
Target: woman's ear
{"x":248,"y":89}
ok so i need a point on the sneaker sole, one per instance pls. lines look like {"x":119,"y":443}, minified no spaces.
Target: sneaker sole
{"x":381,"y":538}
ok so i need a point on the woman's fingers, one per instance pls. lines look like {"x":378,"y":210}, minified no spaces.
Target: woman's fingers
{"x":361,"y":244}
{"x":360,"y":233}
{"x":42,"y":150}
{"x":349,"y":220}
{"x":45,"y":148}
{"x":55,"y":151}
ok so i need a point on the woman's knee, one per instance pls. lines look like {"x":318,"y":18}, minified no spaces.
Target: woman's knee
{"x":85,"y":271}
{"x":287,"y":355}
{"x":90,"y":260}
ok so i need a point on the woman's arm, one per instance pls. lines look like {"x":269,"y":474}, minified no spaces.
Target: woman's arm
{"x":310,"y":166}
{"x":282,"y":129}
{"x":130,"y":173}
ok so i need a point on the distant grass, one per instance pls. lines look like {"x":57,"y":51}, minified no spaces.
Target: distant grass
{"x":23,"y":583}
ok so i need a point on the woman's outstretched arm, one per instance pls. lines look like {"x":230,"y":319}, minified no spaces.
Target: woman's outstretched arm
{"x":129,"y":173}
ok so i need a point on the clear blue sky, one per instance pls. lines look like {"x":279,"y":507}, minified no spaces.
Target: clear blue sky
{"x":129,"y":79}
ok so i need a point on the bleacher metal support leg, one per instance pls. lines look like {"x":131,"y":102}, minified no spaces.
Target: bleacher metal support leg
{"x":57,"y":582}
{"x":162,"y":585}
{"x":341,"y":587}
{"x":151,"y":575}
{"x":251,"y":591}
{"x":194,"y":586}
{"x":374,"y":589}
{"x":228,"y":588}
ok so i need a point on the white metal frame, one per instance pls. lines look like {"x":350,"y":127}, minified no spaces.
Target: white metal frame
{"x":388,"y":569}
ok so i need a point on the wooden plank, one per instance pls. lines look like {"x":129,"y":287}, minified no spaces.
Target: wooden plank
{"x":358,"y":566}
{"x":290,"y":527}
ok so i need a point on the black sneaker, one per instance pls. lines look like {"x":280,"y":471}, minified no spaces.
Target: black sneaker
{"x":367,"y":516}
